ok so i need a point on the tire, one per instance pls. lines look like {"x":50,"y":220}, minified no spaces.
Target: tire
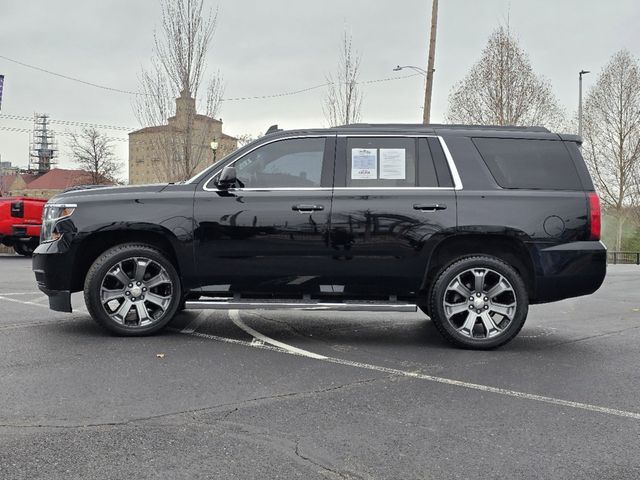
{"x":488,"y":321}
{"x":24,"y":249}
{"x":140,"y":275}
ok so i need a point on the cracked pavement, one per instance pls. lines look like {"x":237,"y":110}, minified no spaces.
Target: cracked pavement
{"x":78,"y":403}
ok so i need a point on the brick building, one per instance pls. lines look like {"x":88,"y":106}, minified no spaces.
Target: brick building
{"x":156,"y":153}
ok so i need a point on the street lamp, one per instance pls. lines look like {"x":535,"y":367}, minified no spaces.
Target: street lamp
{"x":214,"y":147}
{"x":421,"y":71}
{"x":580,"y":74}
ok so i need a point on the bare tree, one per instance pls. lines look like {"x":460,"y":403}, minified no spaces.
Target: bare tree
{"x":343,"y":100}
{"x":502,"y":89}
{"x":245,"y":139}
{"x":93,"y":152}
{"x":611,"y":129}
{"x":178,"y":68}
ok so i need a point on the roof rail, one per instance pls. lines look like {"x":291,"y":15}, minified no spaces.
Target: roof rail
{"x":445,"y":125}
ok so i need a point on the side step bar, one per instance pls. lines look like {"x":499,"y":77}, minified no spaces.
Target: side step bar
{"x":230,"y":304}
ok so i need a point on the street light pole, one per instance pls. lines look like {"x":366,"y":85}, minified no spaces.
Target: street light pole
{"x":421,"y":71}
{"x":432,"y":53}
{"x":582,"y":72}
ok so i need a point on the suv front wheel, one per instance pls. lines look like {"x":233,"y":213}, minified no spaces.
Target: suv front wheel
{"x":479,"y":302}
{"x":132,"y":290}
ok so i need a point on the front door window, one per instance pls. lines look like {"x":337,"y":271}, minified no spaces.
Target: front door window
{"x":293,"y":163}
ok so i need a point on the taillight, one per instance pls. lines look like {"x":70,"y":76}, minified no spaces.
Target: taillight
{"x":594,"y":216}
{"x":17,"y":209}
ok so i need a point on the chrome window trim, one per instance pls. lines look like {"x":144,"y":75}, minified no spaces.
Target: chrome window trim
{"x":293,"y":137}
{"x":457,"y":182}
{"x":328,"y":189}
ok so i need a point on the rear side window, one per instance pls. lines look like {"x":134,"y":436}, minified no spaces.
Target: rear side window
{"x":531,"y":164}
{"x":381,"y":162}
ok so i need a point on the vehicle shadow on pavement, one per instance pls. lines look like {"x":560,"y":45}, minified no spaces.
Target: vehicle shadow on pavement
{"x":311,"y":330}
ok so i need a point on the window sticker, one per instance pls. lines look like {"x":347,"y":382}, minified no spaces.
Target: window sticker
{"x":364,"y":163}
{"x":393,"y":163}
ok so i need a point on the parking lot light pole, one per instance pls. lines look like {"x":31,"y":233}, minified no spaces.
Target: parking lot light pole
{"x":582,"y":72}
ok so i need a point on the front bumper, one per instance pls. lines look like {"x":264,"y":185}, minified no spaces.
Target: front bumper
{"x":569,"y":270}
{"x":50,"y":264}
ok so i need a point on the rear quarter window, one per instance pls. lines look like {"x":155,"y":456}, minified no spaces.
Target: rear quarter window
{"x":529,"y":164}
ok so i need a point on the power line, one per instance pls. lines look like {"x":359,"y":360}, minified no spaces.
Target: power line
{"x":233,"y":99}
{"x":68,"y":122}
{"x":67,"y":77}
{"x":326,"y":84}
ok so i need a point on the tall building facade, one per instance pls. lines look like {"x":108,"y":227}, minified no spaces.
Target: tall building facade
{"x":179,"y":149}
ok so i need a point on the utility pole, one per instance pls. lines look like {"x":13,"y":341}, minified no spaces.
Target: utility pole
{"x":432,"y":54}
{"x":582,"y":72}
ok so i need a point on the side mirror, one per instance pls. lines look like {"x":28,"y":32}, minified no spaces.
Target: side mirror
{"x":227,"y":178}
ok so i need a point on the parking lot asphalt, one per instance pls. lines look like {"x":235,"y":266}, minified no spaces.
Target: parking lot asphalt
{"x":310,"y":395}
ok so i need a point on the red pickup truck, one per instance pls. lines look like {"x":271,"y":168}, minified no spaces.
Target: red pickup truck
{"x":20,"y":222}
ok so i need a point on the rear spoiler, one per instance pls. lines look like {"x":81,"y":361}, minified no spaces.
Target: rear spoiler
{"x":569,"y":137}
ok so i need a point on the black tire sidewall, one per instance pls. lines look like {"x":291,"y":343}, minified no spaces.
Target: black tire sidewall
{"x":455,"y":268}
{"x":104,"y":263}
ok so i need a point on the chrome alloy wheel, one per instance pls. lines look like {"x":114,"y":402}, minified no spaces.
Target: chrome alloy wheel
{"x":136,"y":292}
{"x":480,"y":303}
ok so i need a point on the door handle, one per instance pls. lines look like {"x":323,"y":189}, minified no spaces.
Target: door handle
{"x":307,"y":208}
{"x":429,"y":208}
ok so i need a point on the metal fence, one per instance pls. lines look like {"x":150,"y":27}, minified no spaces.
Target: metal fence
{"x":623,"y":258}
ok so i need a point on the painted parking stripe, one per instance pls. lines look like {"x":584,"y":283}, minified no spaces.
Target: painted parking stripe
{"x":277,"y":346}
{"x":193,"y":325}
{"x":235,"y":318}
{"x":24,"y":302}
{"x":37,"y":303}
{"x":35,"y":292}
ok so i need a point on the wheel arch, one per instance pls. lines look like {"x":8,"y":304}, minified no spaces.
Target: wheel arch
{"x":94,"y":244}
{"x":507,"y":248}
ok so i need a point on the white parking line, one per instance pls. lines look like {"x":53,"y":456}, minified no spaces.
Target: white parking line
{"x":235,"y":318}
{"x":35,"y":292}
{"x":277,"y":346}
{"x":195,"y":323}
{"x":24,"y":302}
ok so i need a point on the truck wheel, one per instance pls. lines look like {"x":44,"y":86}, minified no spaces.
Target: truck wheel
{"x":132,"y":290}
{"x":24,"y":249}
{"x":479,"y":302}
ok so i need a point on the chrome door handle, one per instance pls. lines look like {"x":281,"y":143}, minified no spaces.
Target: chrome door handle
{"x":307,"y":208}
{"x":429,"y":208}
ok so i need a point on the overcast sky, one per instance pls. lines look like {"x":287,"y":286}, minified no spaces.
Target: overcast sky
{"x":267,"y":47}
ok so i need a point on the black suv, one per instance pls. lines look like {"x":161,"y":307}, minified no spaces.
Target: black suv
{"x":468,"y":224}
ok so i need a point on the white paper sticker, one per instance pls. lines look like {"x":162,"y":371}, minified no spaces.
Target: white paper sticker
{"x":393,"y":163}
{"x":364,"y":163}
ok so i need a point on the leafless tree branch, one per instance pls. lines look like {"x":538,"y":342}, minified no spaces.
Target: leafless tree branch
{"x":178,"y":68}
{"x":93,"y":153}
{"x":502,"y":89}
{"x":343,"y":101}
{"x":611,"y":129}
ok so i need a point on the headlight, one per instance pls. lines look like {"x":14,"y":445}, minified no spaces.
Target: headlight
{"x":51,"y":215}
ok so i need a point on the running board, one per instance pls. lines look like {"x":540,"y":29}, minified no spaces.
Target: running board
{"x":228,"y":304}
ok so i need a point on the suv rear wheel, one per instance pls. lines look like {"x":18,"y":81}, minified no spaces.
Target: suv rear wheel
{"x":479,"y":302}
{"x":132,"y":290}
